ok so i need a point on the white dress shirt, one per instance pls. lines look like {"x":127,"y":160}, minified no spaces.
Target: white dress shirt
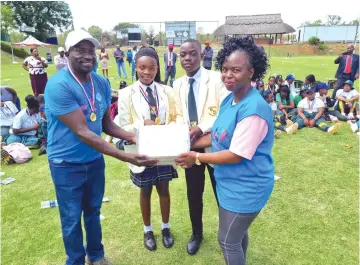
{"x":196,"y":88}
{"x":145,"y":110}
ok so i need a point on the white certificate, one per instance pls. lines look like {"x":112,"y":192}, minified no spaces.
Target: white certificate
{"x":163,"y":142}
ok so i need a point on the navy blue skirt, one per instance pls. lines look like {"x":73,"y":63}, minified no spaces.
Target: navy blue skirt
{"x":151,"y":176}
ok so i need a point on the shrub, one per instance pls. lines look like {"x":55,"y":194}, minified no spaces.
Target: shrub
{"x":19,"y":52}
{"x":314,"y":40}
{"x":322,"y":47}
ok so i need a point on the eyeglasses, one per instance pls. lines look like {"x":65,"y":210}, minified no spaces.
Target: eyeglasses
{"x":84,"y":50}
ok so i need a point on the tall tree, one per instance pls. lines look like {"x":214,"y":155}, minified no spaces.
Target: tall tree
{"x":7,"y":18}
{"x":332,"y":20}
{"x":44,"y":16}
{"x":151,"y":35}
{"x":96,"y":32}
{"x":124,"y":25}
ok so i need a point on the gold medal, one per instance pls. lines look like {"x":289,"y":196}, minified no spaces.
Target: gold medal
{"x":157,"y":121}
{"x":93,"y":116}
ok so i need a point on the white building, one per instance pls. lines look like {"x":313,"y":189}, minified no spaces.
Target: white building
{"x":340,"y":33}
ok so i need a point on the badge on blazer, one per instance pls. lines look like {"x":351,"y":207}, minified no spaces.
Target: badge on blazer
{"x":212,"y":110}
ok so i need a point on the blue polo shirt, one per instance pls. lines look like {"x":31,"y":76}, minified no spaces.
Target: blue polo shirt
{"x":64,"y":95}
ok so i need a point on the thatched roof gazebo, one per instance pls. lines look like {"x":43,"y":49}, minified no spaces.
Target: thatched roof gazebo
{"x":258,"y":25}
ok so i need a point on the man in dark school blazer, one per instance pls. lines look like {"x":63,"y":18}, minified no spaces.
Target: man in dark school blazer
{"x":348,"y":68}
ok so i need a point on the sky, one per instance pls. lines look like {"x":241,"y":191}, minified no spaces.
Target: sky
{"x":107,"y":13}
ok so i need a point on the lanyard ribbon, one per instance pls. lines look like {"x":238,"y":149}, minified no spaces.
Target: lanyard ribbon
{"x":154,"y":110}
{"x":92,"y":100}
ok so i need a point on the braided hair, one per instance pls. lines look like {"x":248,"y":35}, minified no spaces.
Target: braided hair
{"x":149,"y":51}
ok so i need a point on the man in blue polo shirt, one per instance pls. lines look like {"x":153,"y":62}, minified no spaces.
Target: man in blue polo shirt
{"x":77,"y":111}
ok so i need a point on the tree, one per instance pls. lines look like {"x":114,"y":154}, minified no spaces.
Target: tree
{"x":151,"y":36}
{"x":16,"y":36}
{"x":44,"y":16}
{"x":107,"y":38}
{"x":7,"y":18}
{"x":355,"y":22}
{"x":96,"y":32}
{"x":124,"y":25}
{"x":317,"y":23}
{"x":332,"y":20}
{"x":314,"y":41}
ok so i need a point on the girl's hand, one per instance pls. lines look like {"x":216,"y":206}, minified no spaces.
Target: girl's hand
{"x":149,"y":122}
{"x":186,"y":160}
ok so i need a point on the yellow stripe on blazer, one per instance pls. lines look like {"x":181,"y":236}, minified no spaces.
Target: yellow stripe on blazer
{"x":129,"y":110}
{"x":211,"y":93}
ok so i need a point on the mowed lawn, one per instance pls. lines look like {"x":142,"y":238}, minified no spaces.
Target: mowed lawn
{"x":311,"y":217}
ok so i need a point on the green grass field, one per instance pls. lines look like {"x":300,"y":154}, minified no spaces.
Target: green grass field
{"x":310,"y":219}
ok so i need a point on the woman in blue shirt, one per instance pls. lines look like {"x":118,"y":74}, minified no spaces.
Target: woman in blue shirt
{"x":241,"y":138}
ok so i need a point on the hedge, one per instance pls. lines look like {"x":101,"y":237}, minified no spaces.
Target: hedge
{"x":19,"y":52}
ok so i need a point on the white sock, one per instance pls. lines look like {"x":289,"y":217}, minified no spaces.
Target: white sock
{"x":147,"y":228}
{"x":163,"y":226}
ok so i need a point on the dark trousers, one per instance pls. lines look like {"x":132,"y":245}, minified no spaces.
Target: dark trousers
{"x":79,"y":192}
{"x":340,"y":83}
{"x":195,"y":183}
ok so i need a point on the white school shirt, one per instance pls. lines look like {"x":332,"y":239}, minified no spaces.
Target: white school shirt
{"x":145,"y":110}
{"x":7,"y":113}
{"x":196,"y":89}
{"x":311,"y":106}
{"x":23,"y":120}
{"x":273,"y":106}
{"x":60,"y":62}
{"x":347,"y":95}
{"x":317,"y":95}
{"x":294,"y":91}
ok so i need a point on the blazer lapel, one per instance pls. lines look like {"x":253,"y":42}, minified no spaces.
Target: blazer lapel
{"x":183,"y":96}
{"x":164,"y":97}
{"x":135,"y":98}
{"x":203,"y":91}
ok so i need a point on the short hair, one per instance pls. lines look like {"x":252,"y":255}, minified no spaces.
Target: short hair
{"x":31,"y":102}
{"x":311,"y":78}
{"x":193,"y":41}
{"x":256,"y":55}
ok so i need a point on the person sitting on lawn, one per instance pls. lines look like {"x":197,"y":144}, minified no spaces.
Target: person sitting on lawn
{"x":26,"y":124}
{"x":290,"y":82}
{"x":271,"y":85}
{"x":310,"y":114}
{"x":310,"y":81}
{"x":260,"y":86}
{"x":269,"y":97}
{"x":347,"y":100}
{"x":300,"y":96}
{"x":329,"y":115}
{"x":8,"y":111}
{"x":355,"y":126}
{"x":279,"y":81}
{"x":42,"y":133}
{"x":285,"y":103}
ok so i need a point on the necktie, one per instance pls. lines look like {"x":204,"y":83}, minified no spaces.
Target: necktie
{"x":348,"y":64}
{"x":152,"y":103}
{"x":193,"y":117}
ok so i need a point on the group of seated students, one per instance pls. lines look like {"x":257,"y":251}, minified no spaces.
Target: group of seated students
{"x":309,"y":105}
{"x":27,"y":126}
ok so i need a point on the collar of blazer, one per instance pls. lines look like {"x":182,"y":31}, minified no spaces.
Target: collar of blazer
{"x":203,"y":91}
{"x":135,"y":98}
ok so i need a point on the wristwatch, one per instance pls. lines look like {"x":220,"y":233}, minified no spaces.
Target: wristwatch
{"x":197,"y":161}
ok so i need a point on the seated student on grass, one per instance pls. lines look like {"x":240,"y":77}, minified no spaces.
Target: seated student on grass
{"x":300,"y":96}
{"x":310,"y":81}
{"x":26,"y":124}
{"x":285,"y":103}
{"x":42,"y":132}
{"x":310,"y":114}
{"x":8,"y":111}
{"x":260,"y":86}
{"x":290,"y":82}
{"x":269,"y":97}
{"x":271,"y":85}
{"x":279,"y":81}
{"x":355,"y":126}
{"x":330,"y":115}
{"x":348,"y":100}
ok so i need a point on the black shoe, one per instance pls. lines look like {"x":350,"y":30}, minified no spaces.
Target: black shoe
{"x":194,"y":244}
{"x":167,"y":239}
{"x":149,"y":241}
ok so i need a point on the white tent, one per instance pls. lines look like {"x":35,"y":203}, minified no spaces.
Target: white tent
{"x":29,"y":42}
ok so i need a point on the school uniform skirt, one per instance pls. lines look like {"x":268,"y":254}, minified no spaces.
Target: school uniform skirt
{"x":151,"y":176}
